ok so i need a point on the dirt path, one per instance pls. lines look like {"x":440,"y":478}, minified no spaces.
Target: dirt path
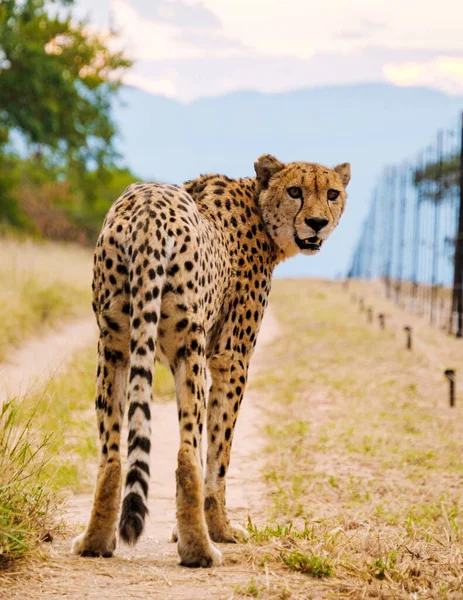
{"x":151,"y":570}
{"x":31,"y":366}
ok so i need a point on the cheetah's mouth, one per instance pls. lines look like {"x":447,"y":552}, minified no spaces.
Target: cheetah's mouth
{"x":311,"y":243}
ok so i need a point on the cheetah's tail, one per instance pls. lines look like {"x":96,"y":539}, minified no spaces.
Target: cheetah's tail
{"x":146,"y":292}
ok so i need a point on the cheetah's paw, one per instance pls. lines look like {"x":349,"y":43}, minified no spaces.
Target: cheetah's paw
{"x":229,"y":534}
{"x":174,"y":535}
{"x":85,"y":545}
{"x":199,"y":555}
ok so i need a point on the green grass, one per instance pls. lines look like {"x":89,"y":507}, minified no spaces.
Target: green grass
{"x":66,"y":408}
{"x":250,"y":590}
{"x":48,"y":445}
{"x":384,"y":566}
{"x":314,"y":566}
{"x":28,"y":506}
{"x":163,"y":384}
{"x":276,"y":531}
{"x":42,"y":283}
{"x":363,"y":453}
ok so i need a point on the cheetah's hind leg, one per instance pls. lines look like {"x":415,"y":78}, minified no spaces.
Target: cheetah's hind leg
{"x":99,"y":538}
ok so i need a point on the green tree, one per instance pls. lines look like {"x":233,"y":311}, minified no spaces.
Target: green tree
{"x":438,"y":178}
{"x":56,"y":82}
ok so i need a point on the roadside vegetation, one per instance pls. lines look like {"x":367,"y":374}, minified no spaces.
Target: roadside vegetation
{"x":59,"y":170}
{"x":42,"y":283}
{"x":28,"y":506}
{"x":65,"y":411}
{"x":49,"y":449}
{"x":364,"y":461}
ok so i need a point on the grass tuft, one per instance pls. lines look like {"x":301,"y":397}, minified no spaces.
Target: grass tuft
{"x":309,"y":564}
{"x":28,"y":506}
{"x":270,"y":532}
{"x":250,"y":590}
{"x":384,"y":566}
{"x":41,"y":284}
{"x":362,"y":451}
{"x":49,"y":444}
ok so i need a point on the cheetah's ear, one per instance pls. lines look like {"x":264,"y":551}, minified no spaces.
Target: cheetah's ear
{"x":266,"y":166}
{"x":343,"y":171}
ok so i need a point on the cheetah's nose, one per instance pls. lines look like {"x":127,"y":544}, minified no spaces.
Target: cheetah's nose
{"x":316,"y":223}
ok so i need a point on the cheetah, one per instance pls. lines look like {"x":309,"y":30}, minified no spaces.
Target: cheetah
{"x":182,"y":275}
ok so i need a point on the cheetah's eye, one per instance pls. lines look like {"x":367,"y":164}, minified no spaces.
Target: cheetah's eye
{"x":333,"y":194}
{"x":294,"y":191}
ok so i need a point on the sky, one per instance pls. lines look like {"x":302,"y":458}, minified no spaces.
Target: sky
{"x":187,"y":49}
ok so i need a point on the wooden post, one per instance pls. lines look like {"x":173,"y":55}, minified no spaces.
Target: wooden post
{"x":382,"y":318}
{"x":450,"y":374}
{"x":408,"y":331}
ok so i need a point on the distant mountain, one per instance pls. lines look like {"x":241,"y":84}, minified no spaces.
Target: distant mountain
{"x":369,"y":125}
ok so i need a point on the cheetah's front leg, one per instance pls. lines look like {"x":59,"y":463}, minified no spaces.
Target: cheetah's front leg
{"x":228,"y":383}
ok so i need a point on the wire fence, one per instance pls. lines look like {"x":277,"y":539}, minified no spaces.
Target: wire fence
{"x":412,"y":238}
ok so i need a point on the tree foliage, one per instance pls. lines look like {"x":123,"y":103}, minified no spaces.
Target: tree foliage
{"x":56,"y":81}
{"x":438,"y":179}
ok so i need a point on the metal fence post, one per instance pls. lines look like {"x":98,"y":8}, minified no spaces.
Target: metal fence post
{"x":414,"y":229}
{"x":457,"y":300}
{"x":437,"y":205}
{"x":371,"y":237}
{"x":401,"y":258}
{"x":391,"y":191}
{"x":416,"y":233}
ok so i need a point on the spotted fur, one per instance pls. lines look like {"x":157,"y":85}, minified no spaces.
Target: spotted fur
{"x":182,"y":275}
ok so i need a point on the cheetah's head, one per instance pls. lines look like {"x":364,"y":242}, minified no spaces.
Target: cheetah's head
{"x":301,"y":203}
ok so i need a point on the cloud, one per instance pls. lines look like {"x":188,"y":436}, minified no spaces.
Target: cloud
{"x":443,"y":72}
{"x":211,"y":75}
{"x":351,"y":35}
{"x":372,"y":25}
{"x":158,"y":86}
{"x":163,"y":39}
{"x":177,"y":12}
{"x":365,"y":29}
{"x":212,"y":41}
{"x":97,"y":13}
{"x":192,"y":48}
{"x":302,"y":29}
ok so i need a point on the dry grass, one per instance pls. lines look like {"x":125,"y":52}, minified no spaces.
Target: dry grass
{"x":42,"y":282}
{"x":46,"y":440}
{"x":48,"y":448}
{"x":66,"y":409}
{"x":28,"y":506}
{"x":364,"y":454}
{"x":363,"y":468}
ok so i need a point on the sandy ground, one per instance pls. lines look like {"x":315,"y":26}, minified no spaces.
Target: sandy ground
{"x":30,"y":367}
{"x":151,"y":569}
{"x":378,"y":434}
